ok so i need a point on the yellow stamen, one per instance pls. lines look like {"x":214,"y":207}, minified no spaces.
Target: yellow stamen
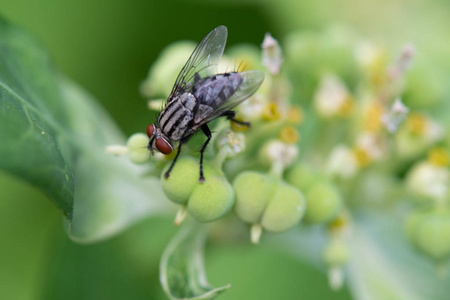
{"x":347,"y":107}
{"x":416,"y":123}
{"x":295,"y":115}
{"x":373,"y":120}
{"x":438,"y":156}
{"x":340,"y":222}
{"x":362,"y":157}
{"x":289,"y":135}
{"x":271,"y":112}
{"x":377,"y":69}
{"x":231,"y":140}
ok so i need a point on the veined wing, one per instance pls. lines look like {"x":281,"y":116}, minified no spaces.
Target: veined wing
{"x":203,"y":60}
{"x":251,"y":81}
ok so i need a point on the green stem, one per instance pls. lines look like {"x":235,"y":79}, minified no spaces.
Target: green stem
{"x":255,"y":233}
{"x":277,"y":169}
{"x":220,"y":158}
{"x":181,"y":215}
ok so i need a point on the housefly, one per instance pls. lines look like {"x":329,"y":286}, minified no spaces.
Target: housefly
{"x":199,"y":96}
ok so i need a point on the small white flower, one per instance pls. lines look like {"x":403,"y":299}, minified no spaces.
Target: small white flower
{"x":372,"y":144}
{"x":252,"y":108}
{"x":330,"y":97}
{"x":281,"y":153}
{"x":231,"y":142}
{"x":434,"y":131}
{"x":429,"y":180}
{"x":367,"y":53}
{"x":342,"y":162}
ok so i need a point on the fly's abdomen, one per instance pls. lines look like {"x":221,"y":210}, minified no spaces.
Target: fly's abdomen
{"x":214,"y":90}
{"x":177,"y":115}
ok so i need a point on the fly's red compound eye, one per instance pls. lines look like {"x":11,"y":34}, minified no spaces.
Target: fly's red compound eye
{"x":150,"y":130}
{"x":163,"y":146}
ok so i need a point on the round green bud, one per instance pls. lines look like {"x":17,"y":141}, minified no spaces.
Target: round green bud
{"x":411,"y":223}
{"x":301,"y":176}
{"x":183,"y":178}
{"x":336,"y":253}
{"x":430,"y":232}
{"x":426,"y":83}
{"x":137,"y":148}
{"x":307,"y":55}
{"x":211,"y":199}
{"x":323,"y":201}
{"x":285,"y":208}
{"x":253,"y":191}
{"x":164,"y":71}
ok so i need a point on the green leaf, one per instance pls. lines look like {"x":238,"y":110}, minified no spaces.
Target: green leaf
{"x":182,"y":273}
{"x":53,"y":136}
{"x":110,"y":192}
{"x":382,"y":264}
{"x":32,"y":119}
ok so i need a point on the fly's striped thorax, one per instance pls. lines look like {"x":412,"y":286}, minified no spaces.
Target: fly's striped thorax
{"x":177,"y":115}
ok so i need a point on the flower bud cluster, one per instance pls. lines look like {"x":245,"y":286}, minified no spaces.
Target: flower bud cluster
{"x":268,"y":203}
{"x":333,"y":115}
{"x":205,"y":202}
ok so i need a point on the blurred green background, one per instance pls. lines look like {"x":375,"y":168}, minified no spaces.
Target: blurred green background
{"x":108,"y":47}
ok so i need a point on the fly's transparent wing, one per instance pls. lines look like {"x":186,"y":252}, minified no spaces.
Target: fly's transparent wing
{"x":251,"y":81}
{"x":203,"y":60}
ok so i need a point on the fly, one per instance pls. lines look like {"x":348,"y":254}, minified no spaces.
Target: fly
{"x":199,"y":96}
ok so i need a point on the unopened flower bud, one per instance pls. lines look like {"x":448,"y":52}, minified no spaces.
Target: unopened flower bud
{"x":285,"y":208}
{"x":211,"y":200}
{"x":301,"y":176}
{"x":395,"y":116}
{"x":164,"y":71}
{"x":137,"y":148}
{"x":429,"y":231}
{"x":323,"y":201}
{"x":182,"y":181}
{"x":253,"y":191}
{"x":272,"y":56}
{"x":156,"y":104}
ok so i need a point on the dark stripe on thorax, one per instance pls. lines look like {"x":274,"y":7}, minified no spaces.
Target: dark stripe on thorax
{"x":175,"y":125}
{"x":167,"y":113}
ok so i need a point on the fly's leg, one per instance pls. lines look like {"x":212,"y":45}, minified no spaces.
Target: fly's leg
{"x":231,"y":115}
{"x":196,"y":77}
{"x":167,"y":174}
{"x":207,"y":132}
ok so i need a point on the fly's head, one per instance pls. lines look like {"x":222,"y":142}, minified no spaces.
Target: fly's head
{"x":158,"y":140}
